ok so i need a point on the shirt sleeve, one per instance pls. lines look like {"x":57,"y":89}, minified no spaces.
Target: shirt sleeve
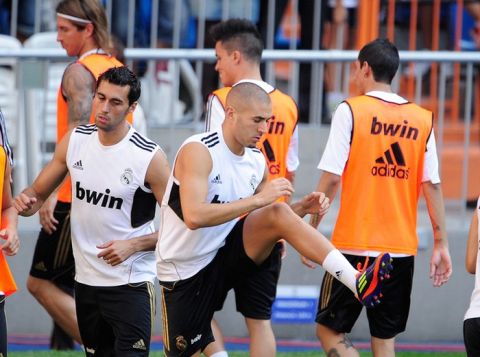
{"x":292,"y":153}
{"x":337,"y":150}
{"x":215,"y":113}
{"x":430,"y":164}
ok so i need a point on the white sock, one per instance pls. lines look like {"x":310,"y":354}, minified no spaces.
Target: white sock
{"x":220,"y":354}
{"x":337,"y":265}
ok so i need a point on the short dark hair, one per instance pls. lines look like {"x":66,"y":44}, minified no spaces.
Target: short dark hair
{"x":240,"y":35}
{"x":382,"y":56}
{"x":122,"y":76}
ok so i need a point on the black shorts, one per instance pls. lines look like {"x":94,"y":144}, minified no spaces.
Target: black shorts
{"x":3,"y":327}
{"x":255,"y":295}
{"x":53,"y":257}
{"x":188,"y":305}
{"x":471,"y":333}
{"x":339,"y":309}
{"x":115,"y":320}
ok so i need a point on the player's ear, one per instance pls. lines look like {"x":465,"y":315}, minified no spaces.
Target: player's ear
{"x":236,"y":55}
{"x":132,"y":107}
{"x":229,"y":111}
{"x":89,"y":29}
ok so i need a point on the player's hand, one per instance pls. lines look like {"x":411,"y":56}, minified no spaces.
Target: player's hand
{"x":307,"y":262}
{"x":440,"y":264}
{"x":24,"y":203}
{"x":12,"y":243}
{"x":315,"y":203}
{"x":47,"y":220}
{"x":115,"y":252}
{"x":275,"y":189}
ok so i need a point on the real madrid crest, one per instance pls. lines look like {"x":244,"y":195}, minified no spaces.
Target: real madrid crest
{"x":181,"y":343}
{"x":127,"y":177}
{"x":254,"y":182}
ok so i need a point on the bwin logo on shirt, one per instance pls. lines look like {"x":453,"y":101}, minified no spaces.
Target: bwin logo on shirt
{"x":391,"y":164}
{"x":217,"y":179}
{"x":98,"y":198}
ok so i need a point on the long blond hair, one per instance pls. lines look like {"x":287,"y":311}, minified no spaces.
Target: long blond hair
{"x":90,"y":10}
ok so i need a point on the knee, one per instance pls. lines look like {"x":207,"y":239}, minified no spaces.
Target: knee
{"x":277,"y":210}
{"x":34,"y":286}
{"x":318,"y":332}
{"x":325,"y":333}
{"x":256,"y":327}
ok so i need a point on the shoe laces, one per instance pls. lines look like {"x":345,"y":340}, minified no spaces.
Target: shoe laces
{"x":361,"y":268}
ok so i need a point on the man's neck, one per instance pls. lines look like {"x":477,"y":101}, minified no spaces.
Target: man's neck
{"x":233,"y":145}
{"x":249,"y":73}
{"x":380,"y":87}
{"x":109,"y":138}
{"x":89,"y":46}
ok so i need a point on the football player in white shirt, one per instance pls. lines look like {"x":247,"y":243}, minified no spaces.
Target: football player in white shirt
{"x":204,"y":246}
{"x":117,"y":177}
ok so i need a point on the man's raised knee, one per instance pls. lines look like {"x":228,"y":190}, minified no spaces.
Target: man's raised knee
{"x":277,"y":209}
{"x":34,"y":285}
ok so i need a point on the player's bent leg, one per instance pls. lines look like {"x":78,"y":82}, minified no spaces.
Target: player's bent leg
{"x":383,"y":347}
{"x":262,"y":339}
{"x":215,"y":348}
{"x":265,"y":226}
{"x":59,"y":304}
{"x":335,"y":343}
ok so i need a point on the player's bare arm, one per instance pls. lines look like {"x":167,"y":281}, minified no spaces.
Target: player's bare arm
{"x":440,"y":262}
{"x":328,"y":184}
{"x":157,"y":175}
{"x":269,"y":189}
{"x":31,"y":199}
{"x":472,"y":246}
{"x":9,"y":241}
{"x":192,"y":168}
{"x":78,"y":86}
{"x":46,"y":214}
{"x":115,"y":252}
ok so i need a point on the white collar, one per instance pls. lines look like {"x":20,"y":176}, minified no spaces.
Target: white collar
{"x":91,"y":52}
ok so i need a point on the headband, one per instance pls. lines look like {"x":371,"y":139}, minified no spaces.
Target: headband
{"x":74,"y":18}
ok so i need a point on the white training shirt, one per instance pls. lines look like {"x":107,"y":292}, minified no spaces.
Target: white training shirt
{"x":474,"y":308}
{"x":215,"y":116}
{"x":110,"y":202}
{"x":337,"y":149}
{"x":182,"y":252}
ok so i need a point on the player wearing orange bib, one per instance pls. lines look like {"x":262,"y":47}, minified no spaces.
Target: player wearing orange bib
{"x":381,"y":148}
{"x":9,"y":242}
